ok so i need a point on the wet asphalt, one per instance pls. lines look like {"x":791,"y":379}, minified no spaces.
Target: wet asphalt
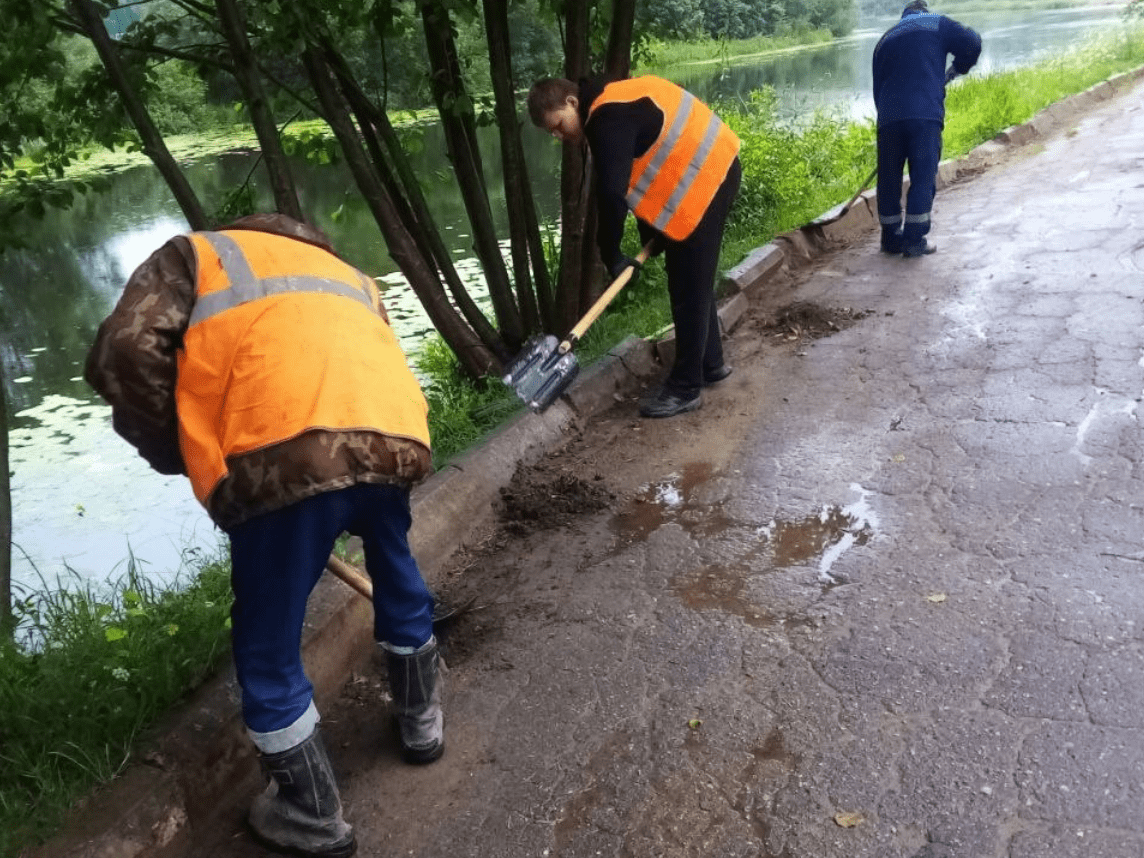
{"x":894,"y":608}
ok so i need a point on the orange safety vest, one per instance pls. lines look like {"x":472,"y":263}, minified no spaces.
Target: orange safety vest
{"x":284,"y":337}
{"x":673,"y":183}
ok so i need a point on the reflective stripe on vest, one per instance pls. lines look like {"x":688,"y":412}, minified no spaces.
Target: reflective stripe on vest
{"x":673,"y":183}
{"x":244,"y":286}
{"x":284,"y":338}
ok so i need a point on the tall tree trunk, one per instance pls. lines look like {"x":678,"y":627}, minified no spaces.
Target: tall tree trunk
{"x":393,"y":168}
{"x":90,"y":19}
{"x":457,"y":119}
{"x":536,"y":307}
{"x":5,"y":516}
{"x":475,"y":358}
{"x":618,"y":59}
{"x":617,"y":65}
{"x":250,"y":82}
{"x":577,"y":240}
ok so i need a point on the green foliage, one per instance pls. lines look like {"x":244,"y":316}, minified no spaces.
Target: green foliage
{"x":96,"y":670}
{"x":315,"y":144}
{"x":460,"y":412}
{"x":791,"y":175}
{"x":977,"y":108}
{"x":178,"y":101}
{"x":672,"y":19}
{"x":744,"y":19}
{"x":34,"y":67}
{"x":536,"y":49}
{"x":239,"y":202}
{"x":661,"y":57}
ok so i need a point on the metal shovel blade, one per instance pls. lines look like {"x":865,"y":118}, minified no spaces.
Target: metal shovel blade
{"x":540,"y":373}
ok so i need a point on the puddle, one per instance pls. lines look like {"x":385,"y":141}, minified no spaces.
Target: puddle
{"x":819,"y":540}
{"x":797,"y":542}
{"x":671,"y":499}
{"x":1104,"y":408}
{"x":826,"y":536}
{"x":719,"y":588}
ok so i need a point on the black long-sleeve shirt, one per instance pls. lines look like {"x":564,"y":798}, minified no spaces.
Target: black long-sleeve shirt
{"x":617,"y":134}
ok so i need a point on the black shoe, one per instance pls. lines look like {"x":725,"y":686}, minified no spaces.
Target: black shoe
{"x":922,"y":248}
{"x":665,"y":403}
{"x":714,"y":376}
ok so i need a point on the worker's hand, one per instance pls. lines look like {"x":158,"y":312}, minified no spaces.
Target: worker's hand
{"x":648,"y":235}
{"x":950,"y":74}
{"x":621,"y":263}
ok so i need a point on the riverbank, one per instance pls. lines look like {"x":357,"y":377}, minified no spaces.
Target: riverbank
{"x":667,"y":56}
{"x":21,"y":676}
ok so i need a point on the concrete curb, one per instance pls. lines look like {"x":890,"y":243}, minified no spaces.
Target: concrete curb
{"x":201,"y":758}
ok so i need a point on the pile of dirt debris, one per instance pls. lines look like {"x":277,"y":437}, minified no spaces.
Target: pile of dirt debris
{"x":804,"y":320}
{"x":543,"y":496}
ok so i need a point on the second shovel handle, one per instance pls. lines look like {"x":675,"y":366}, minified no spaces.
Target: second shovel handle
{"x":858,"y":193}
{"x":604,"y":300}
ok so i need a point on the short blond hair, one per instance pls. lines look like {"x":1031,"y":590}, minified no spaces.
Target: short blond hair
{"x":549,"y":94}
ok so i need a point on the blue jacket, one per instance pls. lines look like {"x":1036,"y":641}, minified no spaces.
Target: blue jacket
{"x":909,"y":65}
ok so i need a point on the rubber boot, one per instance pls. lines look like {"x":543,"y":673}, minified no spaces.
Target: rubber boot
{"x":300,"y":812}
{"x":415,"y":682}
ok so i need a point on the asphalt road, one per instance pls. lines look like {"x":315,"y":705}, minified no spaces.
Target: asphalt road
{"x":881,"y":597}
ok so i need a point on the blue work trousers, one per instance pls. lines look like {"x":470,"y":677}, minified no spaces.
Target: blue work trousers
{"x":916,"y":142}
{"x":277,"y":559}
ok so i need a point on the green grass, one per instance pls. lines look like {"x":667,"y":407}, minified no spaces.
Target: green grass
{"x":662,"y":57}
{"x":977,"y":108}
{"x":101,"y":666}
{"x":107,"y":665}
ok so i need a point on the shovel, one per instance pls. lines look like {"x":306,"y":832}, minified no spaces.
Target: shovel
{"x":544,"y":369}
{"x":364,"y":587}
{"x":842,"y":211}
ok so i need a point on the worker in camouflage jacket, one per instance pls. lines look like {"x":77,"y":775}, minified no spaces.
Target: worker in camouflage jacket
{"x":261,"y":365}
{"x":910,"y":76}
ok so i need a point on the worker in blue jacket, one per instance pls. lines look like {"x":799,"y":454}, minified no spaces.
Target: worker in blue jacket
{"x":909,"y":94}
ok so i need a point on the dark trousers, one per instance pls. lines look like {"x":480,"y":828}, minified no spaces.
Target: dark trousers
{"x":916,"y":142}
{"x":277,"y":559}
{"x":691,"y":266}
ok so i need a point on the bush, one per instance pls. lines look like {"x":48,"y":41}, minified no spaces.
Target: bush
{"x":178,"y":100}
{"x":792,"y":174}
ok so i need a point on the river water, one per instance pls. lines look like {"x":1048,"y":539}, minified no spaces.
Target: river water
{"x":85,"y":506}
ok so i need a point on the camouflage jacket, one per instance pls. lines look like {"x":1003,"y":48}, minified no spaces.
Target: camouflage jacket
{"x":133,"y":365}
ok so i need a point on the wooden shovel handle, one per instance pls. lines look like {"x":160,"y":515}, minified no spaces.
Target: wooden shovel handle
{"x":351,"y":576}
{"x":604,"y":300}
